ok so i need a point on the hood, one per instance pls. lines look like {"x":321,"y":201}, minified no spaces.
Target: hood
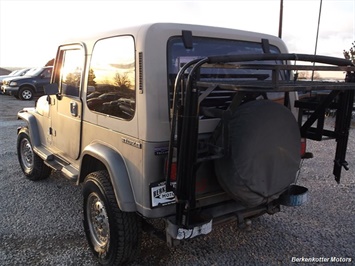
{"x":18,"y":78}
{"x":6,"y":77}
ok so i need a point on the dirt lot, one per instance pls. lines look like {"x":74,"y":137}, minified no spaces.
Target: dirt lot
{"x":41,"y":222}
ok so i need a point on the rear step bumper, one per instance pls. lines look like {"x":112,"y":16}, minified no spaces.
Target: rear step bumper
{"x":201,"y":223}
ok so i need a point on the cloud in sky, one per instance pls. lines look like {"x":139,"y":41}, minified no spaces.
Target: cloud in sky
{"x":30,"y":31}
{"x":337,"y":26}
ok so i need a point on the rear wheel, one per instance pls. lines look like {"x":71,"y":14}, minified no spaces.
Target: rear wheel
{"x":26,"y":93}
{"x":114,"y":236}
{"x":31,"y":164}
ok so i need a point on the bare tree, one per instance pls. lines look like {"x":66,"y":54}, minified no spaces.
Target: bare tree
{"x":303,"y":75}
{"x":91,"y":78}
{"x":122,"y":81}
{"x":350,"y":55}
{"x":50,"y":62}
{"x":308,"y":75}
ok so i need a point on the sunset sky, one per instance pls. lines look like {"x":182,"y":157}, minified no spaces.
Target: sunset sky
{"x":30,"y":31}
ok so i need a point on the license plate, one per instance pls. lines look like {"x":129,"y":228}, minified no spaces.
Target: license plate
{"x":159,"y":197}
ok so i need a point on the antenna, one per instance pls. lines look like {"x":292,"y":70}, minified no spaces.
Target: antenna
{"x":281,"y":17}
{"x":315,"y":49}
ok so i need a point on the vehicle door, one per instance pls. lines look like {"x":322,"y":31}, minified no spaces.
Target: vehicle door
{"x":67,"y":105}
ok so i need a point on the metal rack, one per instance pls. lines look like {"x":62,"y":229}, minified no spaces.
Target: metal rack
{"x":190,"y":90}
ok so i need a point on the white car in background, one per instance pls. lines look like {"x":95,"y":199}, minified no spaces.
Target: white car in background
{"x":15,"y":73}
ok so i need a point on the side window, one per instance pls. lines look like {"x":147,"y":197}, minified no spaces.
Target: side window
{"x":111,"y":80}
{"x":70,"y":76}
{"x":47,"y":73}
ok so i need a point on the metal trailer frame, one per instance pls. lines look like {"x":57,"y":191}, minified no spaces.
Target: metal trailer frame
{"x":189,"y":92}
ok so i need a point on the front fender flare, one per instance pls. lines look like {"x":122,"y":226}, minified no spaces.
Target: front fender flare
{"x":117,"y":169}
{"x":31,"y":121}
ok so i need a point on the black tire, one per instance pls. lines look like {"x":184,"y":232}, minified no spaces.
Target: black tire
{"x":31,"y":164}
{"x":26,"y":93}
{"x":114,"y":236}
{"x":264,"y":153}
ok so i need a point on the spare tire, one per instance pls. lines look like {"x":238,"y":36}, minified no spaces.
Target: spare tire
{"x":264,"y":152}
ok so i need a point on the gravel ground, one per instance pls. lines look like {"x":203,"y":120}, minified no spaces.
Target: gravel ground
{"x":41,"y":222}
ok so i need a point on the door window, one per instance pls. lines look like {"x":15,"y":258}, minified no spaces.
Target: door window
{"x":71,"y":72}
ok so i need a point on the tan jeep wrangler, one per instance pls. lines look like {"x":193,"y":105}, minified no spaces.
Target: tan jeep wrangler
{"x":190,"y":124}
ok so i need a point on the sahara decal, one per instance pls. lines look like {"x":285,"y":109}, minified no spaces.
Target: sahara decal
{"x":132,"y":143}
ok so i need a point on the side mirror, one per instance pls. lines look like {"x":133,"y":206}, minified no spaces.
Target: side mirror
{"x":51,"y":89}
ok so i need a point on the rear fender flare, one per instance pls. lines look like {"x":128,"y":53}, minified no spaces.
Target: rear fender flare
{"x":117,"y":170}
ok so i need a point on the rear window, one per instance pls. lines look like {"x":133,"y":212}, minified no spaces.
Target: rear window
{"x":178,"y":55}
{"x":203,"y":47}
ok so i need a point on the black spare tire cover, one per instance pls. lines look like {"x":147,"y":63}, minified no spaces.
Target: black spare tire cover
{"x":264,"y":152}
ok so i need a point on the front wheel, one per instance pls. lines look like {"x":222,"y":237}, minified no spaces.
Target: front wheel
{"x":31,"y":164}
{"x":114,"y":236}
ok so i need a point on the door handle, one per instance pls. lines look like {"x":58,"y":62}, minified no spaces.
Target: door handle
{"x":74,"y":109}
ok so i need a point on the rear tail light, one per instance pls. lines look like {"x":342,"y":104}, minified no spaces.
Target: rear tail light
{"x":303,"y":146}
{"x":173,"y":169}
{"x":304,"y":153}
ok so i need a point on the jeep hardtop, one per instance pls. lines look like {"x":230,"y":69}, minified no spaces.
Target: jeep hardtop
{"x":190,"y":124}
